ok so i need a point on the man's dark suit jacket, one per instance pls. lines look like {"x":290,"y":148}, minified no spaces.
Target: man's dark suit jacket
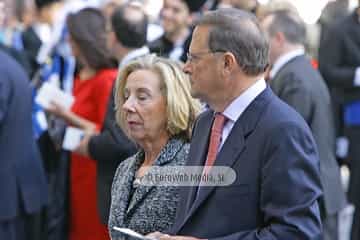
{"x":109,"y":149}
{"x":298,"y":84}
{"x":22,"y":178}
{"x":32,"y":44}
{"x":20,"y":57}
{"x":275,"y":193}
{"x":339,"y":56}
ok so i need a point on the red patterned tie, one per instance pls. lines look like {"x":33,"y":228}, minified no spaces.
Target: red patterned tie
{"x":215,"y":140}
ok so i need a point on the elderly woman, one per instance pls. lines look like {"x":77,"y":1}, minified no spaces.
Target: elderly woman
{"x":156,"y":110}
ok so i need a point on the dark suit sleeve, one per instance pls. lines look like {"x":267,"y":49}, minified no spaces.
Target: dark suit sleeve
{"x":290,"y":166}
{"x":111,"y":144}
{"x":297,"y":96}
{"x":32,"y":45}
{"x":331,"y":60}
{"x":5,"y":93}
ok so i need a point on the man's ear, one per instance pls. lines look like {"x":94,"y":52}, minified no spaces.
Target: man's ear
{"x":280,"y":37}
{"x":229,"y":62}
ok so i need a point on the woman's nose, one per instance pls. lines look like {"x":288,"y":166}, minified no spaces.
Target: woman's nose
{"x":187,"y":67}
{"x":129,"y":105}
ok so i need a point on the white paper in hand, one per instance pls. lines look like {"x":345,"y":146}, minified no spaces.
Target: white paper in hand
{"x":128,"y":234}
{"x":72,"y":139}
{"x":49,"y":93}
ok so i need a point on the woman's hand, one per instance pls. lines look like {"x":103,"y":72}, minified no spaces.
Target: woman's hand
{"x":57,"y":110}
{"x":71,"y":118}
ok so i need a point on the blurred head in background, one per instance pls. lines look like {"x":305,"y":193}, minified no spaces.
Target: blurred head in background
{"x":275,"y":5}
{"x":127,"y":29}
{"x":46,"y":10}
{"x":87,"y":38}
{"x":247,"y":5}
{"x":109,"y":7}
{"x":177,"y":15}
{"x":285,"y":30}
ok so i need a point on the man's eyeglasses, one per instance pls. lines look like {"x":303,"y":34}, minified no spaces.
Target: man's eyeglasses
{"x":196,"y":56}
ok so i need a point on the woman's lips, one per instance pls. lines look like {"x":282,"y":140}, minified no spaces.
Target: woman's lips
{"x":133,"y":123}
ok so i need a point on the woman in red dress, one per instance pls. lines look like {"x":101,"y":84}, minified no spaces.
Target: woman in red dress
{"x":92,"y":89}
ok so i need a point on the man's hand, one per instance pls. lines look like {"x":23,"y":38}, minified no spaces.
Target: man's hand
{"x":83,"y":148}
{"x":163,"y":236}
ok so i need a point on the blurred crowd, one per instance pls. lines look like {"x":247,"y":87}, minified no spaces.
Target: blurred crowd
{"x":87,"y":49}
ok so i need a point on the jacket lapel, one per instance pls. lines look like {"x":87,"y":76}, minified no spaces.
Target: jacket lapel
{"x":126,"y":186}
{"x":167,"y":154}
{"x":233,"y":146}
{"x":198,"y":152}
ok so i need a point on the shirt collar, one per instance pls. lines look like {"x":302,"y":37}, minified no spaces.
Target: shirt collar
{"x":134,"y":54}
{"x":238,"y":106}
{"x":284,"y":59}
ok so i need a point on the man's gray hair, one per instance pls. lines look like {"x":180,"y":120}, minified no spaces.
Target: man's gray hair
{"x":290,"y":24}
{"x":238,"y":32}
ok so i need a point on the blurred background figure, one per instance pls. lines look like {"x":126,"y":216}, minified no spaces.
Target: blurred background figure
{"x":176,"y":18}
{"x":155,"y":109}
{"x":295,"y":81}
{"x":22,"y":177}
{"x":10,"y":36}
{"x":39,"y":33}
{"x":247,"y":5}
{"x":151,"y":9}
{"x":109,"y":6}
{"x":340,"y":65}
{"x":92,"y":88}
{"x":126,"y":35}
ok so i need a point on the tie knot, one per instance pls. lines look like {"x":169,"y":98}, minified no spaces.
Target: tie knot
{"x":219,"y":122}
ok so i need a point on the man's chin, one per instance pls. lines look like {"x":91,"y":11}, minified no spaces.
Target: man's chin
{"x":169,"y":30}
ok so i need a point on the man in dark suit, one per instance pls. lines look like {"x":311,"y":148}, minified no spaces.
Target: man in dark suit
{"x":268,"y":144}
{"x":296,"y":82}
{"x":22,"y":178}
{"x":339,"y":59}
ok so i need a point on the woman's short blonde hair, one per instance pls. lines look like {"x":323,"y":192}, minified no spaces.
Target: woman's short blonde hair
{"x":181,"y":108}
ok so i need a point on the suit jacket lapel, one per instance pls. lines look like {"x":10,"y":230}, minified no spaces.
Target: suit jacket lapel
{"x":126,"y":186}
{"x":233,"y":146}
{"x":198,"y":152}
{"x":167,"y":154}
